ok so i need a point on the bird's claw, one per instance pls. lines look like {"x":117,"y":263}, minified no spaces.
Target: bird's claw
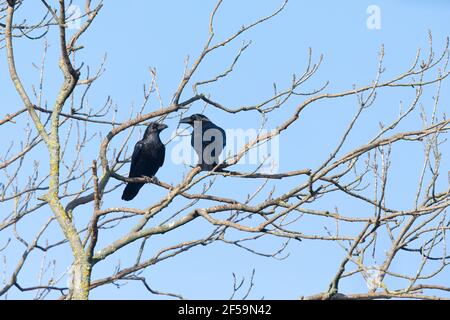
{"x":153,"y":180}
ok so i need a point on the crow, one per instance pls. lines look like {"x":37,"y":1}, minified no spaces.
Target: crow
{"x":147,"y":158}
{"x":207,"y":139}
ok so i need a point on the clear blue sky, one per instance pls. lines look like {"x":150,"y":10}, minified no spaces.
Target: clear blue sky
{"x":139,"y":34}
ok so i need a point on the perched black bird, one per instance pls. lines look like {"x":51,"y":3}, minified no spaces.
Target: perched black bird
{"x":207,"y":139}
{"x":147,"y":158}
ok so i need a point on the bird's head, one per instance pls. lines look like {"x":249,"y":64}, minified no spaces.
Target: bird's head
{"x":154,"y":127}
{"x":195,"y":118}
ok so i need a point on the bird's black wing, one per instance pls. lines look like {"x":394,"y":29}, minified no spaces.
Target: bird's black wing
{"x":160,"y":157}
{"x":224,"y":137}
{"x":135,"y":169}
{"x":213,"y":138}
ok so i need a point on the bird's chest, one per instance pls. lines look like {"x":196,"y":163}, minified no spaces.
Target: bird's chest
{"x":153,"y":151}
{"x":150,"y":158}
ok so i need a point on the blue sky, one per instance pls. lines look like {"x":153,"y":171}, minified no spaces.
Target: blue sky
{"x":160,"y":34}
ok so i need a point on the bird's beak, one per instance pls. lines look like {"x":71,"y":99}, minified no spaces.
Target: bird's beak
{"x":187,"y":120}
{"x":162,"y":126}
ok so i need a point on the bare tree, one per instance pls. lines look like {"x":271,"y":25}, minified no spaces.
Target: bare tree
{"x":76,"y":190}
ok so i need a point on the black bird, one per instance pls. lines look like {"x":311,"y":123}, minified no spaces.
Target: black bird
{"x":207,"y":139}
{"x":147,"y":158}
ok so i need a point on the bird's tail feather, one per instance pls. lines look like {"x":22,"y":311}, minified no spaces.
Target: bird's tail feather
{"x":131,"y":190}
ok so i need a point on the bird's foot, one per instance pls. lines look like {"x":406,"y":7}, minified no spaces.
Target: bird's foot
{"x":153,"y":180}
{"x":214,"y":167}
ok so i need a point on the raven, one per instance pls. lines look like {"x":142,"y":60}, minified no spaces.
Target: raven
{"x":147,"y":158}
{"x":207,"y":139}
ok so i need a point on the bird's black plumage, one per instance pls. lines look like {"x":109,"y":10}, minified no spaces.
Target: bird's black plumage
{"x":148,"y":157}
{"x":207,"y":139}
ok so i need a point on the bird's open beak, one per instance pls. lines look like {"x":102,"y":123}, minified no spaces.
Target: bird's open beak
{"x":162,"y":126}
{"x":187,"y":120}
